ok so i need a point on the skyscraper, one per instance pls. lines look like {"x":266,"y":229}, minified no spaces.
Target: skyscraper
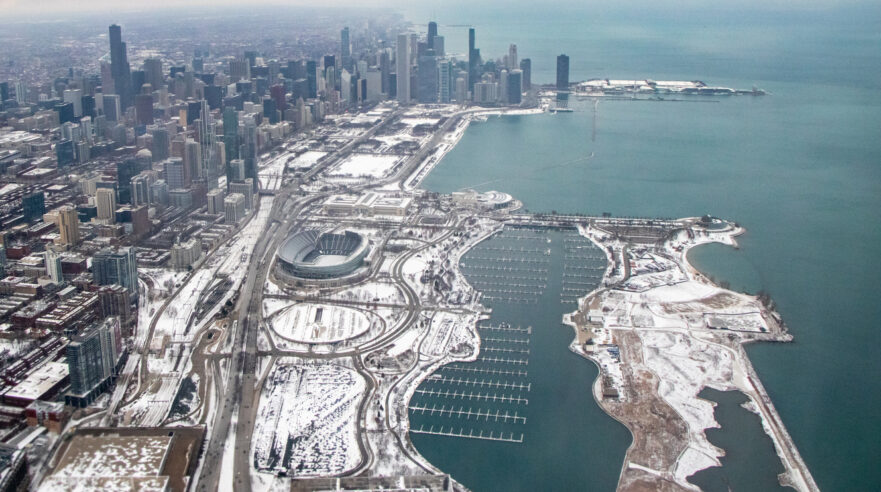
{"x":75,"y":97}
{"x":562,"y":73}
{"x":512,"y":57}
{"x":53,"y":266}
{"x":125,"y":171}
{"x":92,"y":359}
{"x":207,"y":138}
{"x":438,"y":46}
{"x":68,"y":225}
{"x":444,"y":81}
{"x":345,"y":50}
{"x":230,"y":136}
{"x":515,"y":88}
{"x":144,"y":109}
{"x":402,"y":65}
{"x":140,"y":186}
{"x":193,"y":159}
{"x":277,"y":93}
{"x":526,"y":67}
{"x":33,"y":206}
{"x":112,"y":107}
{"x":312,"y":78}
{"x":427,"y":78}
{"x":472,"y":59}
{"x":160,"y":143}
{"x":432,"y":33}
{"x":249,"y":146}
{"x":118,"y":266}
{"x":105,"y":199}
{"x":175,"y":173}
{"x":119,"y":67}
{"x":153,"y":73}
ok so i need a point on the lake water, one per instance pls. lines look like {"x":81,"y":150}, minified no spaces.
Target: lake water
{"x":800,"y":169}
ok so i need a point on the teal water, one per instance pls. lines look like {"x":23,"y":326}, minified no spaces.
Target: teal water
{"x":800,"y":169}
{"x":564,"y":428}
{"x":742,"y":438}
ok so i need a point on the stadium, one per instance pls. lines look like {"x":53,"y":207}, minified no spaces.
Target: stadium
{"x":312,"y":254}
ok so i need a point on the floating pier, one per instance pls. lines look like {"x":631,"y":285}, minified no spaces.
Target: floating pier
{"x":506,"y":350}
{"x":505,"y":327}
{"x":503,"y":360}
{"x":470,"y":435}
{"x":483,"y":383}
{"x":485,"y":370}
{"x":470,"y":395}
{"x":523,"y":341}
{"x":497,"y":416}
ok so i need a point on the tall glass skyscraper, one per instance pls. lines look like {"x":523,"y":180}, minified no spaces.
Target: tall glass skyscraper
{"x":402,"y":65}
{"x":562,"y":72}
{"x":119,"y":67}
{"x":119,"y":267}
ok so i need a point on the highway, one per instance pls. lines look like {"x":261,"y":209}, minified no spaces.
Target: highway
{"x":241,"y":394}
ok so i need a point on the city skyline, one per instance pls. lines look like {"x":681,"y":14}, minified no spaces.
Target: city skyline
{"x":425,"y":247}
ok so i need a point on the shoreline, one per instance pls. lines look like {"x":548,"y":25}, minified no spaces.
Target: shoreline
{"x":796,"y":472}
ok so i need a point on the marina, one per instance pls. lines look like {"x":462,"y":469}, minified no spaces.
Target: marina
{"x":504,"y":399}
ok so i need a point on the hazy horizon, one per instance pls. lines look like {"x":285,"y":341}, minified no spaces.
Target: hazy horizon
{"x":20,"y":9}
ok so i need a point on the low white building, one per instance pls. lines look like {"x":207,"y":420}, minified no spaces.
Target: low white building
{"x":185,"y":254}
{"x":234,"y":208}
{"x":370,"y":203}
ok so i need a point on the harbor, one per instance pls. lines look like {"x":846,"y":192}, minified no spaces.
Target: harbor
{"x":504,"y":409}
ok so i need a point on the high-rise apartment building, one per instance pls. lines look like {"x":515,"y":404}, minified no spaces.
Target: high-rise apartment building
{"x":105,"y":200}
{"x":93,"y":359}
{"x":118,"y":267}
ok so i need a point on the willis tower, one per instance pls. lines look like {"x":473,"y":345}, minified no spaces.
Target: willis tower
{"x":119,"y":67}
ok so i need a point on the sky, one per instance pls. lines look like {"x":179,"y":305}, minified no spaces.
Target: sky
{"x":24,"y":8}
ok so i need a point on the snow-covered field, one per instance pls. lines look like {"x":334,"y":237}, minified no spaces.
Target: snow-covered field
{"x":685,"y":366}
{"x":366,"y":165}
{"x":419,"y":121}
{"x":383,"y":292}
{"x":319,"y":323}
{"x":306,"y":160}
{"x":307,"y":420}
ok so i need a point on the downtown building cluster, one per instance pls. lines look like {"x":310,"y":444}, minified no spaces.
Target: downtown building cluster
{"x":153,"y":166}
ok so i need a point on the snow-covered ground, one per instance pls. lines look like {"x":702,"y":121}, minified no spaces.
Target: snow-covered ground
{"x":319,"y":323}
{"x":307,"y":420}
{"x":306,"y":160}
{"x":381,"y":292}
{"x":366,"y":165}
{"x":685,"y":366}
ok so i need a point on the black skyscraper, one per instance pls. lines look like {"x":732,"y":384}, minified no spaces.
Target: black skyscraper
{"x":88,"y":106}
{"x":472,"y":60}
{"x":312,"y":78}
{"x":125,"y":171}
{"x":562,"y":72}
{"x":33,"y":206}
{"x":432,"y":33}
{"x":526,"y":67}
{"x":65,"y":112}
{"x":119,"y":67}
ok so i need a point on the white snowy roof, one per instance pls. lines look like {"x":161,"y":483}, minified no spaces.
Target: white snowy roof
{"x":39,"y":382}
